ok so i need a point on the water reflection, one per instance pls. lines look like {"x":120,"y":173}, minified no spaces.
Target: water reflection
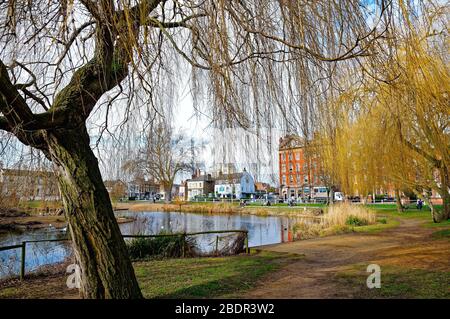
{"x":263,"y":230}
{"x":37,"y":254}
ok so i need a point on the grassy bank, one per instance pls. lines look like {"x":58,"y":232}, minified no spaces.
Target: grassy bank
{"x":340,"y":219}
{"x":397,"y":282}
{"x":207,"y":277}
{"x":173,"y":278}
{"x":390,"y":213}
{"x":217,"y":208}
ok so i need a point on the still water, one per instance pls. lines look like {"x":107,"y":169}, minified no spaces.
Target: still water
{"x":262,"y":230}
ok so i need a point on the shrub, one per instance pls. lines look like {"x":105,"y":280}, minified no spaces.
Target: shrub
{"x":167,"y":246}
{"x":337,"y":220}
{"x":355,"y":221}
{"x":339,"y":214}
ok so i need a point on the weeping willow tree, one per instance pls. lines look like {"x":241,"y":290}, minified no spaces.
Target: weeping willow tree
{"x":250,"y":63}
{"x":393,"y":129}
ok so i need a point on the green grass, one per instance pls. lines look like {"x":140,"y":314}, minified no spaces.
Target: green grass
{"x":397,"y":282}
{"x":441,"y":234}
{"x":442,"y":224}
{"x":390,"y":211}
{"x":207,"y":277}
{"x":382,"y":224}
{"x":413,"y":213}
{"x":33,"y":206}
{"x":286,"y":205}
{"x":409,"y":207}
{"x":9,"y":292}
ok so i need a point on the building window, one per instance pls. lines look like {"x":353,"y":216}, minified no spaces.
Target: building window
{"x":283,"y":167}
{"x":291,"y":167}
{"x":290,"y":156}
{"x":291,"y":178}
{"x":283,"y":156}
{"x":284,"y":179}
{"x":297,"y":167}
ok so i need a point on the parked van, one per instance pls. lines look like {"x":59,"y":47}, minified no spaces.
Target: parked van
{"x":339,"y":196}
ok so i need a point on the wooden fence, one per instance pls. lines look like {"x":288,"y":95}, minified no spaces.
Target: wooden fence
{"x":23,"y":245}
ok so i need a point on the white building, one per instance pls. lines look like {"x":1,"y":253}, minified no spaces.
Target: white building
{"x":200,"y":186}
{"x":239,"y":185}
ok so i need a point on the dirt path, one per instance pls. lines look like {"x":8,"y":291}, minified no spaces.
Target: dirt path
{"x":408,"y":244}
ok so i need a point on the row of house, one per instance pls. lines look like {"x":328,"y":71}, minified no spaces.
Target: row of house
{"x":230,"y":185}
{"x":28,"y":184}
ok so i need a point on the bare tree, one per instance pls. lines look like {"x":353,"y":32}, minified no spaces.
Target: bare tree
{"x":62,"y":60}
{"x":164,"y":155}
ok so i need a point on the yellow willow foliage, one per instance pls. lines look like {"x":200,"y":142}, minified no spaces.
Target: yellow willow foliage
{"x":400,"y":135}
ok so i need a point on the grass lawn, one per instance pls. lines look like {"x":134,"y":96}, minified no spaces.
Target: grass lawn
{"x":398,"y":282}
{"x":383,"y":223}
{"x":213,"y":277}
{"x":32,"y":206}
{"x":413,"y":213}
{"x":441,"y":234}
{"x":286,"y":205}
{"x":209,"y":277}
{"x":387,"y":210}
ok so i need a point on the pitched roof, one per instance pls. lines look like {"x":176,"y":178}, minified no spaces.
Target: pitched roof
{"x":291,"y":141}
{"x":206,"y":178}
{"x":227,"y":178}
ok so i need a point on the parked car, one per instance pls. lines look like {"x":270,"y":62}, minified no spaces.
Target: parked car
{"x":338,"y":196}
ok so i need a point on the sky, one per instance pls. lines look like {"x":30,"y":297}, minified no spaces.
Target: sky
{"x":236,"y":145}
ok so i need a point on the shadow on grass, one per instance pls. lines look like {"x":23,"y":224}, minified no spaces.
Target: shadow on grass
{"x":397,"y":283}
{"x":208,"y":277}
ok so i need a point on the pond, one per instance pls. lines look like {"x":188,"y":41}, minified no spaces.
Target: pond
{"x":262,"y":230}
{"x":37,"y":254}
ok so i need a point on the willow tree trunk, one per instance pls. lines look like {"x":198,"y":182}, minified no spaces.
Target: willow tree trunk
{"x":100,"y":251}
{"x":398,"y":201}
{"x":444,"y":192}
{"x":434,"y":214}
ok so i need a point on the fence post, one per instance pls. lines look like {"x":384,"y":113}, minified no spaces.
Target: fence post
{"x":183,"y":249}
{"x":247,"y":250}
{"x":22,"y":263}
{"x":217,"y":245}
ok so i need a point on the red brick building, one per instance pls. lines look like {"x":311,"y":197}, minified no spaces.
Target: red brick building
{"x":299,"y":170}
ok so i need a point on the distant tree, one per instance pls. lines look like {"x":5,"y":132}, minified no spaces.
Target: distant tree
{"x":165,"y":155}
